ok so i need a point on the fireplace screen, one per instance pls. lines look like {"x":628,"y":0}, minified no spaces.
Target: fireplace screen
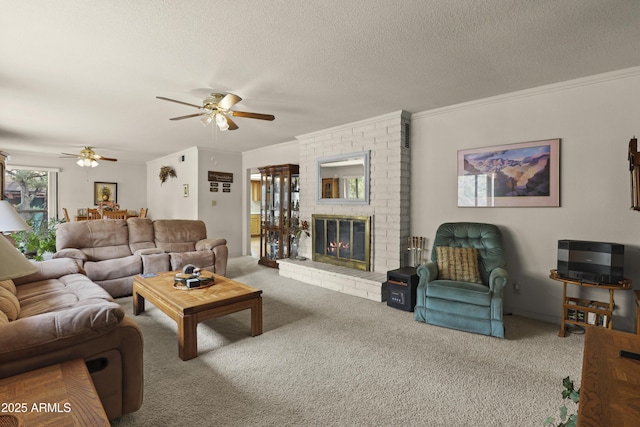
{"x":342,"y":240}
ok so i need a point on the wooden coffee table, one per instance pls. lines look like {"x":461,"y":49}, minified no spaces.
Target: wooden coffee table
{"x":192,"y":306}
{"x":60,"y":395}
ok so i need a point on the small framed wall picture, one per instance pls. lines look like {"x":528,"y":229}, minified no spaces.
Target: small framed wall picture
{"x":105,"y":192}
{"x":185,"y":190}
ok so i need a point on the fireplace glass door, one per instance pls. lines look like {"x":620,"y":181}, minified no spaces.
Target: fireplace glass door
{"x":342,"y":240}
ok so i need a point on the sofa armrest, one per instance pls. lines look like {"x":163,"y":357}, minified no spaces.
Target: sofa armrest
{"x":49,"y":332}
{"x":50,"y":269}
{"x":209,"y":244}
{"x":72,"y":253}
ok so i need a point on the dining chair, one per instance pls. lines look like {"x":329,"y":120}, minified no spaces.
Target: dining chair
{"x":93,"y":214}
{"x":114,"y":214}
{"x":66,"y":215}
{"x":143,"y":213}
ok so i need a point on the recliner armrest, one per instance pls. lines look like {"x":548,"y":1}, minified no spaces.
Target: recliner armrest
{"x":209,"y":244}
{"x":498,"y":280}
{"x":428,"y":271}
{"x":48,"y":332}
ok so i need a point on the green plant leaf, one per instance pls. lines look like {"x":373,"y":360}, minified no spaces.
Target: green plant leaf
{"x":563,"y":412}
{"x":575,"y":396}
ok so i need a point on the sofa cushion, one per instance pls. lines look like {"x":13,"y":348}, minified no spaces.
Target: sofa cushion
{"x":53,"y":295}
{"x":50,"y":269}
{"x":3,"y":318}
{"x":8,"y":285}
{"x":140,"y":234}
{"x":465,"y":292}
{"x":99,"y":240}
{"x":178,"y":235}
{"x":458,"y":264}
{"x":9,"y":304}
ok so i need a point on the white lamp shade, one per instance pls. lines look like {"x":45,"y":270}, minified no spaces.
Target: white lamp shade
{"x":9,"y":218}
{"x":12,"y":263}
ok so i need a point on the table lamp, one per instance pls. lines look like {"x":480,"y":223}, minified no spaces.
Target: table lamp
{"x":10,"y":220}
{"x":12,"y":263}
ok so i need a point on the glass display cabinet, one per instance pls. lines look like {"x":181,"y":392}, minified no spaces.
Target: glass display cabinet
{"x":279,"y":211}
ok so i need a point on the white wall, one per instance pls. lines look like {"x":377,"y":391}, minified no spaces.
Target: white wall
{"x":595,"y":118}
{"x":167,"y":200}
{"x":223,"y":219}
{"x":75,"y":184}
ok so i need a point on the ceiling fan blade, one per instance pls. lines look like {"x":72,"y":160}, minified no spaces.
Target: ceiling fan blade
{"x":252,"y":115}
{"x":229,"y":101}
{"x":232,"y":124}
{"x":188,"y":116}
{"x":69,"y":155}
{"x":179,"y":102}
{"x":108,"y":159}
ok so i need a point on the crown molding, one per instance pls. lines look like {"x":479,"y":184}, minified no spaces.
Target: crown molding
{"x":540,"y":90}
{"x":371,"y":120}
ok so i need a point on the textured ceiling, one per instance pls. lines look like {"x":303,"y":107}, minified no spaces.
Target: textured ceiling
{"x":75,"y":73}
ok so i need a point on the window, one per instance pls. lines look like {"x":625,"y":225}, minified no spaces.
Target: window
{"x":32,"y":191}
{"x":354,"y":187}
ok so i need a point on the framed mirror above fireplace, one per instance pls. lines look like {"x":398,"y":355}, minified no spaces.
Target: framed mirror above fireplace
{"x":344,"y":179}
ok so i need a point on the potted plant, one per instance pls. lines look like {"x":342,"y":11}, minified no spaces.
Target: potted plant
{"x":39,"y":240}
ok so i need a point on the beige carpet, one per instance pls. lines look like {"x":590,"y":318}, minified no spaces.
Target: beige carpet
{"x":326,"y":358}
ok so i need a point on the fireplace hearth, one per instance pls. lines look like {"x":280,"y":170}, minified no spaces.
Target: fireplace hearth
{"x":342,"y":240}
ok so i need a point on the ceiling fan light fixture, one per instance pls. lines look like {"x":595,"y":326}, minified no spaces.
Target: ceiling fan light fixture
{"x":87,"y":163}
{"x":221,"y":121}
{"x":206,"y":119}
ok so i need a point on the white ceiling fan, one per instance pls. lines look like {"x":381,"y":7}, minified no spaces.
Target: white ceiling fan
{"x":217,"y":107}
{"x":87,"y":157}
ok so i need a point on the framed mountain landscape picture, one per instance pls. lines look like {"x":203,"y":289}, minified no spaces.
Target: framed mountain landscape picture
{"x":521,"y":175}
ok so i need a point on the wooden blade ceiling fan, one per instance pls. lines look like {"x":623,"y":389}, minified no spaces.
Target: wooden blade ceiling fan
{"x":217,"y":107}
{"x":87,"y":157}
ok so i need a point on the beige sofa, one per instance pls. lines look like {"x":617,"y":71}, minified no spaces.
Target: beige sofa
{"x":113,"y":251}
{"x":58,"y":314}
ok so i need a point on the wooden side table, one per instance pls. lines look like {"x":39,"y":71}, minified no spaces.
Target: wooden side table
{"x":579,"y":311}
{"x":60,"y":395}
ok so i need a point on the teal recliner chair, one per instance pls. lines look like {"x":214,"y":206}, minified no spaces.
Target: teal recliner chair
{"x":465,"y":293}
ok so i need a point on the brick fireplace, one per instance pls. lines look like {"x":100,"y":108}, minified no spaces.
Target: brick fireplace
{"x":386,"y":138}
